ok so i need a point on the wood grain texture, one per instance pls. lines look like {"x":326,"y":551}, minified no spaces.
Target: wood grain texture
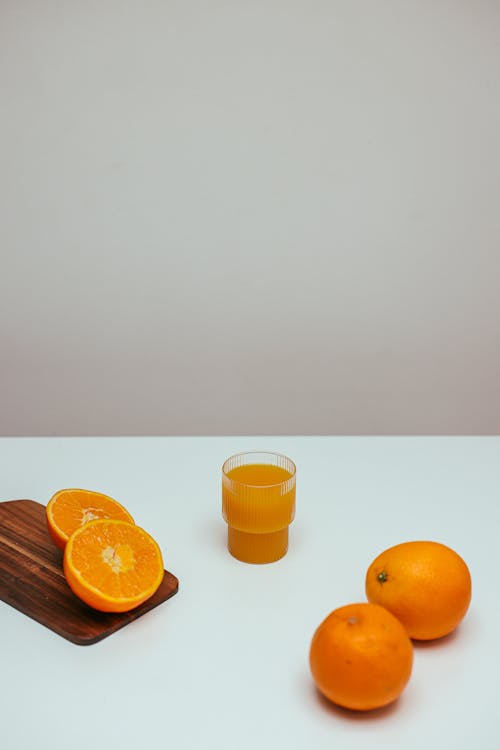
{"x":32,"y":579}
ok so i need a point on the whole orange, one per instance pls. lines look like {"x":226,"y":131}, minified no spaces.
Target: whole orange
{"x":426,"y":585}
{"x":361,"y":657}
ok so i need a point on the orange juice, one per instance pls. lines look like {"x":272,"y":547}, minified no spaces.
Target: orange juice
{"x":258,"y":504}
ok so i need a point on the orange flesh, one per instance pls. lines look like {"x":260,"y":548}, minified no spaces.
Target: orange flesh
{"x":69,"y":509}
{"x":113,"y":565}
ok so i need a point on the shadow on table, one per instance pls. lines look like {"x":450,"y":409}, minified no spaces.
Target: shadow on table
{"x":347,"y":714}
{"x":437,"y":643}
{"x":379,"y":714}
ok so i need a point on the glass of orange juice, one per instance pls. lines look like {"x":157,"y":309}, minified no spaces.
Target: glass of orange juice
{"x":258,"y":504}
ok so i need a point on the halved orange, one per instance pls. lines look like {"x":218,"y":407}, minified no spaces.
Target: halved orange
{"x":69,"y":509}
{"x":113,"y":566}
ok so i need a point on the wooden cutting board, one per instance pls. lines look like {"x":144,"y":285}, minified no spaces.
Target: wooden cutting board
{"x":32,"y":579}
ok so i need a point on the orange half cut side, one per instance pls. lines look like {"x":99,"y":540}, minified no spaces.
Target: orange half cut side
{"x":69,"y":509}
{"x":113,"y":566}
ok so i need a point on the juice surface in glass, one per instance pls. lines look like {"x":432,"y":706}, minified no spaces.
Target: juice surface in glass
{"x":262,"y":486}
{"x":258,"y":504}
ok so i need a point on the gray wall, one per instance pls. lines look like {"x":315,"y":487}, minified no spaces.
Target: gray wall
{"x":249,"y":217}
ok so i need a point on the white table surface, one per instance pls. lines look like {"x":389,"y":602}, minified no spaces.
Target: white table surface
{"x":224,"y":663}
